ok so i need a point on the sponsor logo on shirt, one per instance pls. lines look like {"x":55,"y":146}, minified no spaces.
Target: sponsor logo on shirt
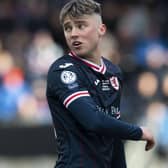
{"x":110,"y":111}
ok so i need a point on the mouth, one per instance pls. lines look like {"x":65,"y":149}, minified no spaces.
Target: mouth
{"x":76,"y":44}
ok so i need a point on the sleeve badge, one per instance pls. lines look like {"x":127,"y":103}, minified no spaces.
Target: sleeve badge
{"x":68,"y":77}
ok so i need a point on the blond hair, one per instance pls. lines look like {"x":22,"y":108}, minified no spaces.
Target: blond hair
{"x":77,"y":8}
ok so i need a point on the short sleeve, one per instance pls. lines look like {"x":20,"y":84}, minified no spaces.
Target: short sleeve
{"x":65,"y":83}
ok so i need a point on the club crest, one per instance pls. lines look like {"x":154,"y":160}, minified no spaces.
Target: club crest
{"x":114,"y":82}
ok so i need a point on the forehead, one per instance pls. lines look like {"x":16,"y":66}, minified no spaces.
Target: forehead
{"x":83,"y":18}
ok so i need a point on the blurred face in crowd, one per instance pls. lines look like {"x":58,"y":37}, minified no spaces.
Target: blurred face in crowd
{"x":83,"y":34}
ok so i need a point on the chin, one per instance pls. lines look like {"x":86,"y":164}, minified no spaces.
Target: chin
{"x":80,"y":53}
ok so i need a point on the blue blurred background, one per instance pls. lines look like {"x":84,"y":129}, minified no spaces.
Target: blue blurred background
{"x":31,"y":39}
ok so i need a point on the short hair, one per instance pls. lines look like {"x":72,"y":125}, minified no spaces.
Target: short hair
{"x":77,"y":8}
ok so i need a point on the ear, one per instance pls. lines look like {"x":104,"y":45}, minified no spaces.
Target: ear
{"x":102,"y":29}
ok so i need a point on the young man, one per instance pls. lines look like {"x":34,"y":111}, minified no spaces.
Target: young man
{"x":83,"y":92}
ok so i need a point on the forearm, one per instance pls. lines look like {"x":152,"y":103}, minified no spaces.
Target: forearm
{"x":84,"y":110}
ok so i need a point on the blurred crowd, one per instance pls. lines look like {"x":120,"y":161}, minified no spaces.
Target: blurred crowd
{"x":137,"y":40}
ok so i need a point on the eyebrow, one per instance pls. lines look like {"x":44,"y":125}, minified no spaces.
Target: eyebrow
{"x":75,"y":21}
{"x":65,"y":24}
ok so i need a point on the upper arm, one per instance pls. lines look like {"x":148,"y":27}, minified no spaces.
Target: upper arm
{"x":65,"y":82}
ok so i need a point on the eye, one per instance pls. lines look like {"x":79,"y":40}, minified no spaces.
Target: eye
{"x":81,"y":26}
{"x":67,"y":28}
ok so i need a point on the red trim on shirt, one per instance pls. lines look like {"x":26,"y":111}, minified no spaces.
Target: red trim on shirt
{"x":101,"y":69}
{"x":74,"y":96}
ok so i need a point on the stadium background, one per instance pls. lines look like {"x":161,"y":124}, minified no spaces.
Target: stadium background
{"x":31,"y":39}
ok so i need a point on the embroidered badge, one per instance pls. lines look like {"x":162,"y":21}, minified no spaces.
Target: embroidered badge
{"x":68,"y":77}
{"x":114,"y":82}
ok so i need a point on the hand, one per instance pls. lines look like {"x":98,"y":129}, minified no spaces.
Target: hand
{"x":148,"y":137}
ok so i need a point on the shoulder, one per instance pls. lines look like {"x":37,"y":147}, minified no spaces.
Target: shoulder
{"x":112,"y":67}
{"x":63,"y":63}
{"x":64,"y":69}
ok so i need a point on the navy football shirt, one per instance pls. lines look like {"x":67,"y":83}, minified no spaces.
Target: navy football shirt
{"x":84,"y":100}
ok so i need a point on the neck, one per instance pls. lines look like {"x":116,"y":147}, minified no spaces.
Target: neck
{"x":95,"y":60}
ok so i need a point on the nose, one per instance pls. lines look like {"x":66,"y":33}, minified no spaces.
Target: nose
{"x":74,"y":32}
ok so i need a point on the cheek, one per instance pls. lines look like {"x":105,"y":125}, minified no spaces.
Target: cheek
{"x":92,"y":35}
{"x":66,"y":36}
{"x":67,"y":39}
